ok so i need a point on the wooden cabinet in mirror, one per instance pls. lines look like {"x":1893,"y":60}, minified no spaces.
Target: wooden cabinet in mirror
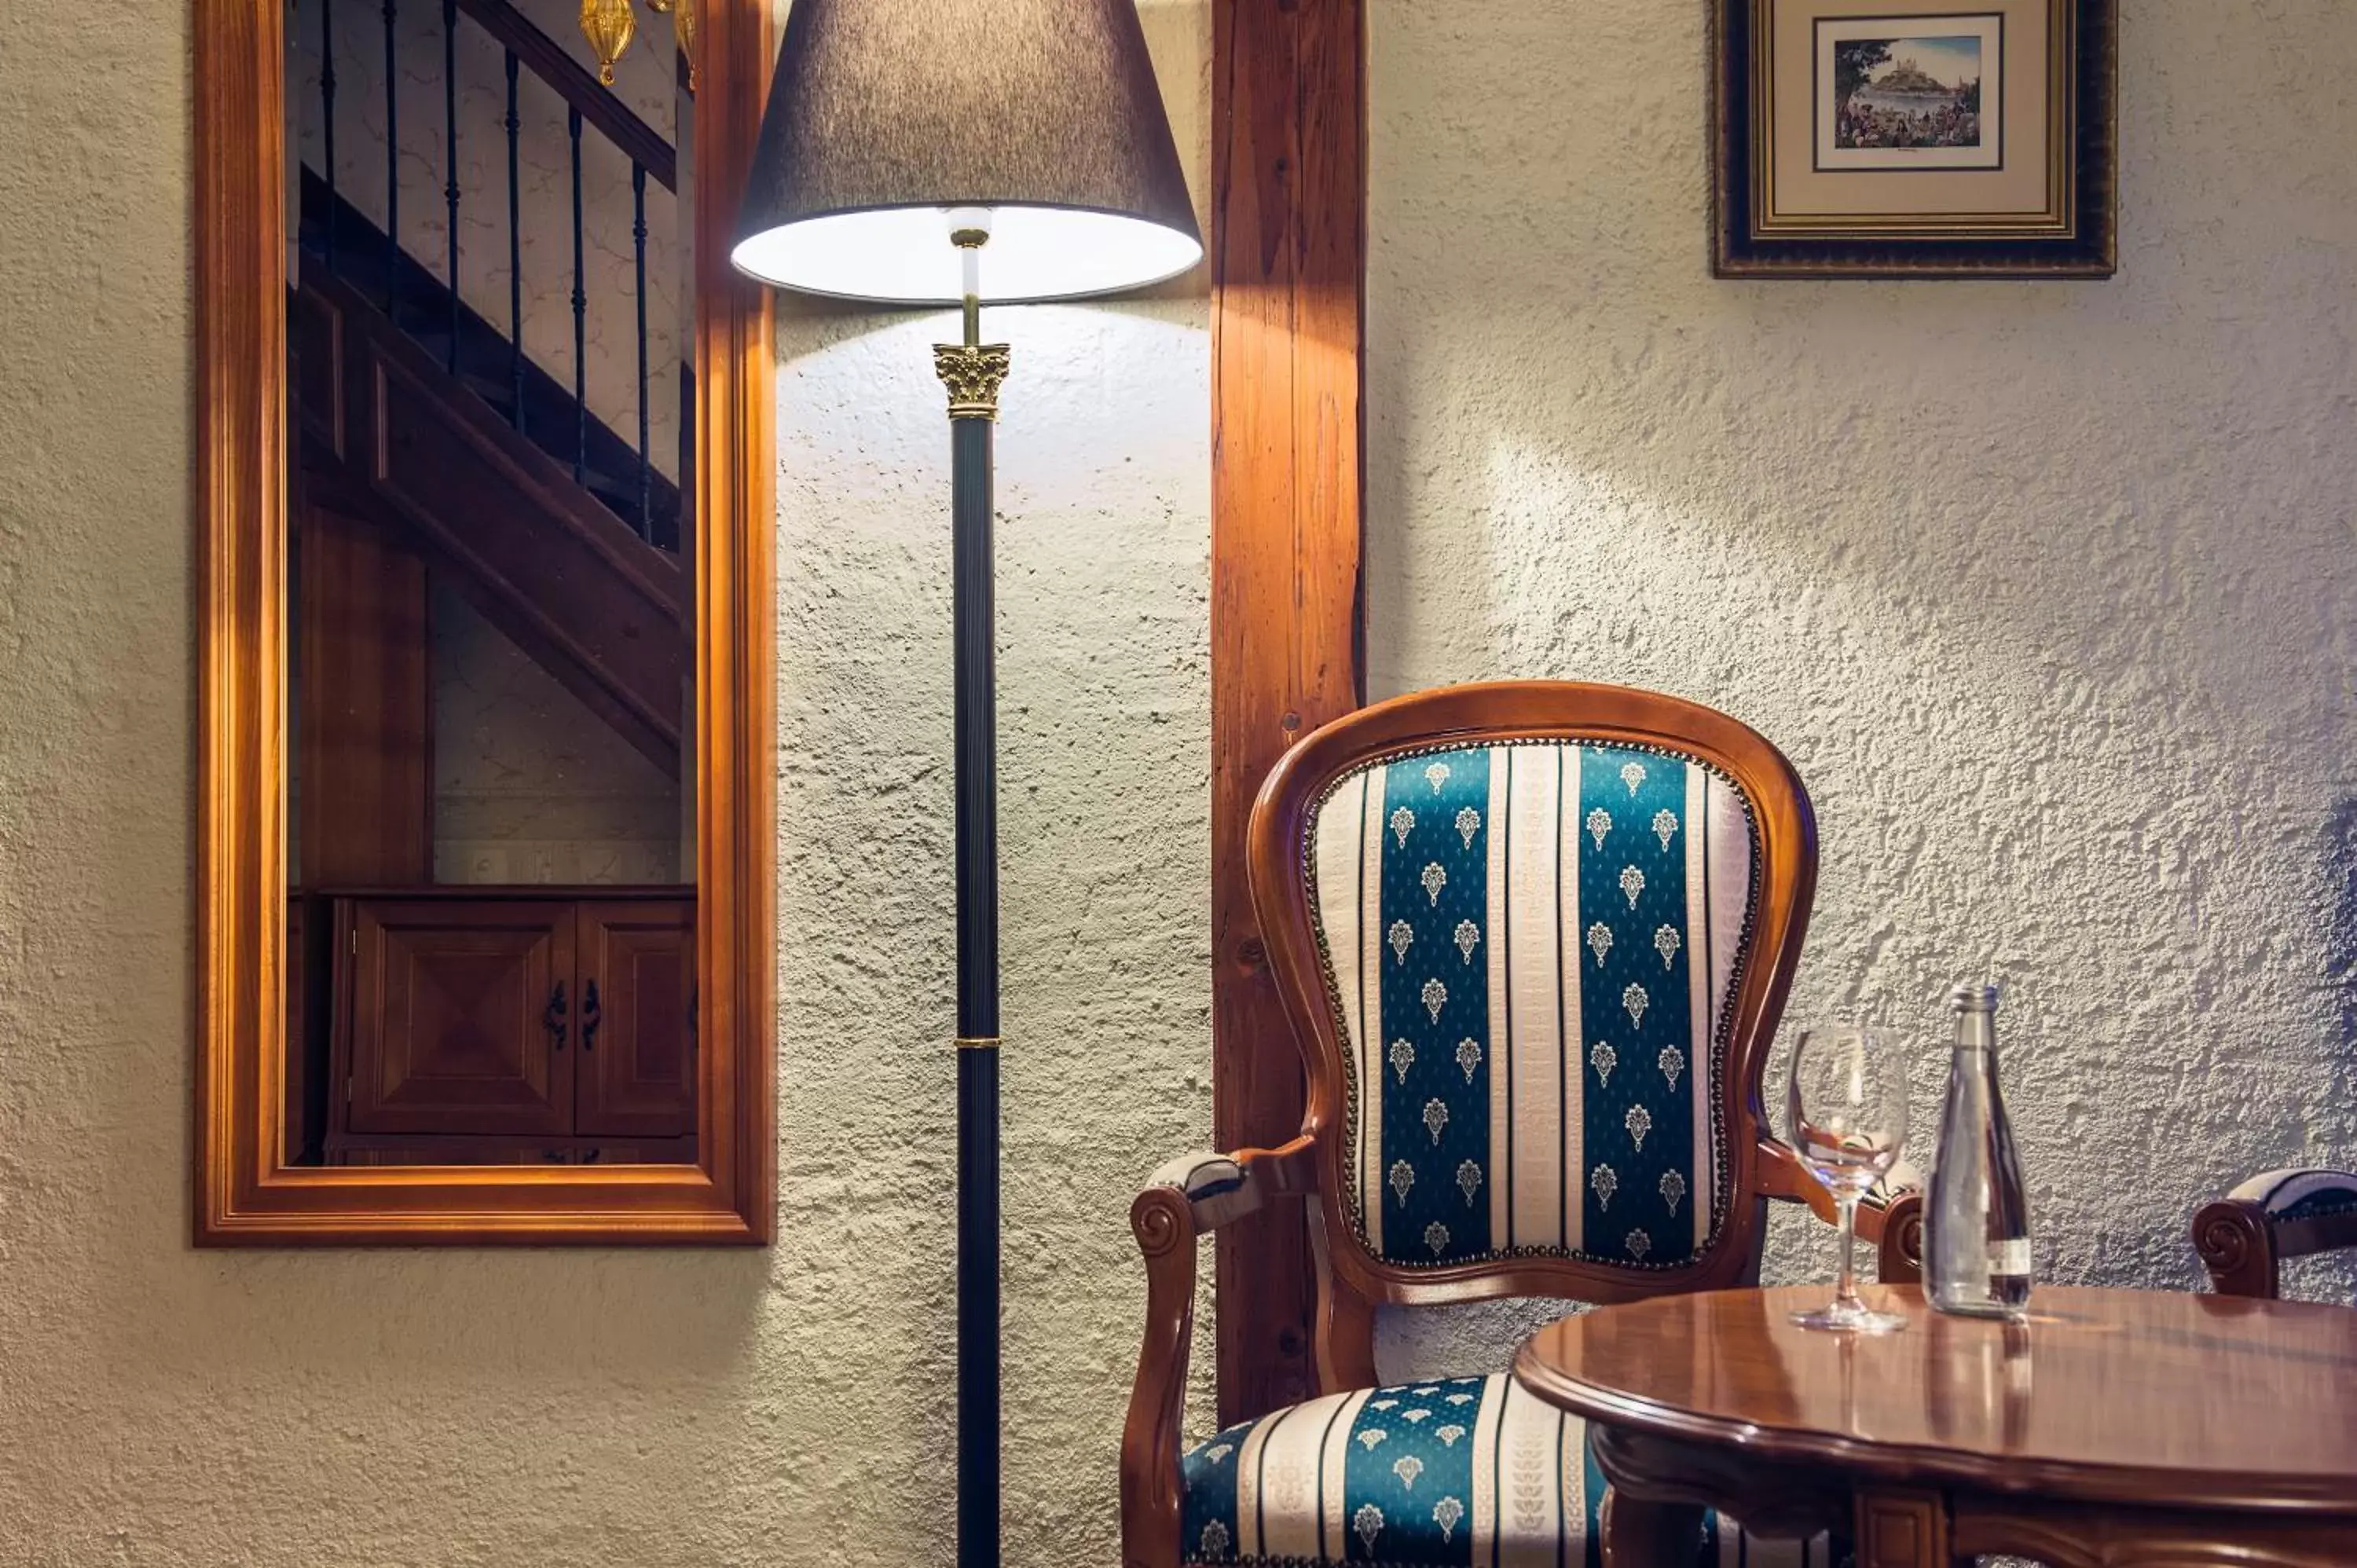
{"x":487,"y":802}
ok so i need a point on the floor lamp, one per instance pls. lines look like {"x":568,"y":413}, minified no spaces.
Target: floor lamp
{"x":959,"y":152}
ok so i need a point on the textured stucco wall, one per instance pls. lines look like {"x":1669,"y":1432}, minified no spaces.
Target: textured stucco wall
{"x":2048,"y":590}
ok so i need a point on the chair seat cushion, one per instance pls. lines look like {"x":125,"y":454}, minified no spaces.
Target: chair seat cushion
{"x":1462,"y":1472}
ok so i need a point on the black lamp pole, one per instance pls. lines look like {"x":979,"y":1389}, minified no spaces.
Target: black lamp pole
{"x":977,"y":1006}
{"x":973,"y":372}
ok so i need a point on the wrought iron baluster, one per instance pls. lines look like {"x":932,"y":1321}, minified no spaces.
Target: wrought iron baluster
{"x":639,"y":248}
{"x":515,"y":257}
{"x":392,"y":173}
{"x":580,"y":317}
{"x":450,"y":162}
{"x":328,"y":115}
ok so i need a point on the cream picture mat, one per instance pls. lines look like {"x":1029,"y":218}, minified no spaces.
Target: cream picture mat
{"x":1797,"y":198}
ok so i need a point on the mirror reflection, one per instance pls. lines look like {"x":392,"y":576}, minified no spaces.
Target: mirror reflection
{"x":491,"y":916}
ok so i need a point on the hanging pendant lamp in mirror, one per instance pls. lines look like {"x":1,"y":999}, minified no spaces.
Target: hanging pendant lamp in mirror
{"x":609,"y":25}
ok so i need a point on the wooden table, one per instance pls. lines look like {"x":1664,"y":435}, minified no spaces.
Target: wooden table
{"x":2115,"y":1429}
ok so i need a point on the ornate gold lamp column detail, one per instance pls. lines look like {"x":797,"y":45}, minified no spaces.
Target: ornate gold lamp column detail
{"x":974,"y":373}
{"x":973,"y":370}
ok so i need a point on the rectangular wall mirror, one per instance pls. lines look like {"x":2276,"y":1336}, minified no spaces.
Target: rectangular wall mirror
{"x":486,"y":513}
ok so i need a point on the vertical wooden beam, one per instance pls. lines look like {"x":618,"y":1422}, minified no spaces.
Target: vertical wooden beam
{"x":1288,"y":223}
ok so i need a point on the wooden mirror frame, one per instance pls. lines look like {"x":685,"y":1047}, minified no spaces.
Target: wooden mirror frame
{"x":246,"y":1193}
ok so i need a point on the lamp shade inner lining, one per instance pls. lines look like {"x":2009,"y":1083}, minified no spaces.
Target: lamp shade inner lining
{"x":903,"y":254}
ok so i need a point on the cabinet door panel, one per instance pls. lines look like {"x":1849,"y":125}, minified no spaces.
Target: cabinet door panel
{"x":455,"y":1021}
{"x":636,"y":1067}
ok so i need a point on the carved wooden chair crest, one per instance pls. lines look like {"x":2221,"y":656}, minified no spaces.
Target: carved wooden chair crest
{"x":1535,"y":938}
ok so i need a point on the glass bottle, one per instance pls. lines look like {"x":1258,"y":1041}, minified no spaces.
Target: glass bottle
{"x":1976,"y":1216}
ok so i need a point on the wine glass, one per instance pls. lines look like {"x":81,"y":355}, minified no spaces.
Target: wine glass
{"x":1846,"y":1115}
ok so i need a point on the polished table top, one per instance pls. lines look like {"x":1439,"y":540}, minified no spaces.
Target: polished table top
{"x":2103,"y":1394}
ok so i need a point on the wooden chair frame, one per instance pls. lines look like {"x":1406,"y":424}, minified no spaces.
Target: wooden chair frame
{"x":2243,"y":1248}
{"x":246,"y":1193}
{"x":1352,"y":1282}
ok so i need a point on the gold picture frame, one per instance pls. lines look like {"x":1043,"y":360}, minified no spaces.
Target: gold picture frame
{"x":247,"y":1192}
{"x":1914,"y":138}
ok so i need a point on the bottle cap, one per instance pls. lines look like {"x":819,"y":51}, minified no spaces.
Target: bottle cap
{"x":1973,"y":999}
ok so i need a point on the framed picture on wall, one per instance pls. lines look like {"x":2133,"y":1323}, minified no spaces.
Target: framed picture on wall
{"x":1914,"y":138}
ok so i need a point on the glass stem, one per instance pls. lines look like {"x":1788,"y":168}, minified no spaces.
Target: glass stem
{"x":1846,"y":1292}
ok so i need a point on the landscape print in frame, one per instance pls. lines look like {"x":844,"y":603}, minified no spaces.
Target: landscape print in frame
{"x":1877,"y":138}
{"x":1910,"y":93}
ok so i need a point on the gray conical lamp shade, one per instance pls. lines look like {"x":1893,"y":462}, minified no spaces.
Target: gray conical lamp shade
{"x":884,"y":113}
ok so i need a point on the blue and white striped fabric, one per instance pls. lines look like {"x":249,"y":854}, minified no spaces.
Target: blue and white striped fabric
{"x":2300,"y":1194}
{"x":1465,"y":1473}
{"x":1533,"y":949}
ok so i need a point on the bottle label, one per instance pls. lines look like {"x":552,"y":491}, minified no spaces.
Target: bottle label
{"x":2010,"y":1259}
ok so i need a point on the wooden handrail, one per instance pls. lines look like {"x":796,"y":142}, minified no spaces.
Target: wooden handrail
{"x":546,"y":60}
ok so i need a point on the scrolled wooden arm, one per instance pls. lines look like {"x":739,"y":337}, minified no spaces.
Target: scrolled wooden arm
{"x":1190,"y":1199}
{"x":1220,"y":1188}
{"x":2238,"y":1247}
{"x":2244,"y":1237}
{"x":1892,"y":1219}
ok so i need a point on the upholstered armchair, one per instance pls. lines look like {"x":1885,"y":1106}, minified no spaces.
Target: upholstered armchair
{"x":2244,"y":1237}
{"x":1534,"y":940}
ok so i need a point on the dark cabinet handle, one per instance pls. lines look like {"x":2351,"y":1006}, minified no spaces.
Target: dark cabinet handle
{"x":591,"y":1017}
{"x":552,"y":1020}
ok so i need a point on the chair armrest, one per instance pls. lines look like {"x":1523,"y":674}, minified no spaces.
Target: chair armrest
{"x":1186,"y":1200}
{"x":1220,"y":1188}
{"x":2244,"y":1237}
{"x":1891,"y":1215}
